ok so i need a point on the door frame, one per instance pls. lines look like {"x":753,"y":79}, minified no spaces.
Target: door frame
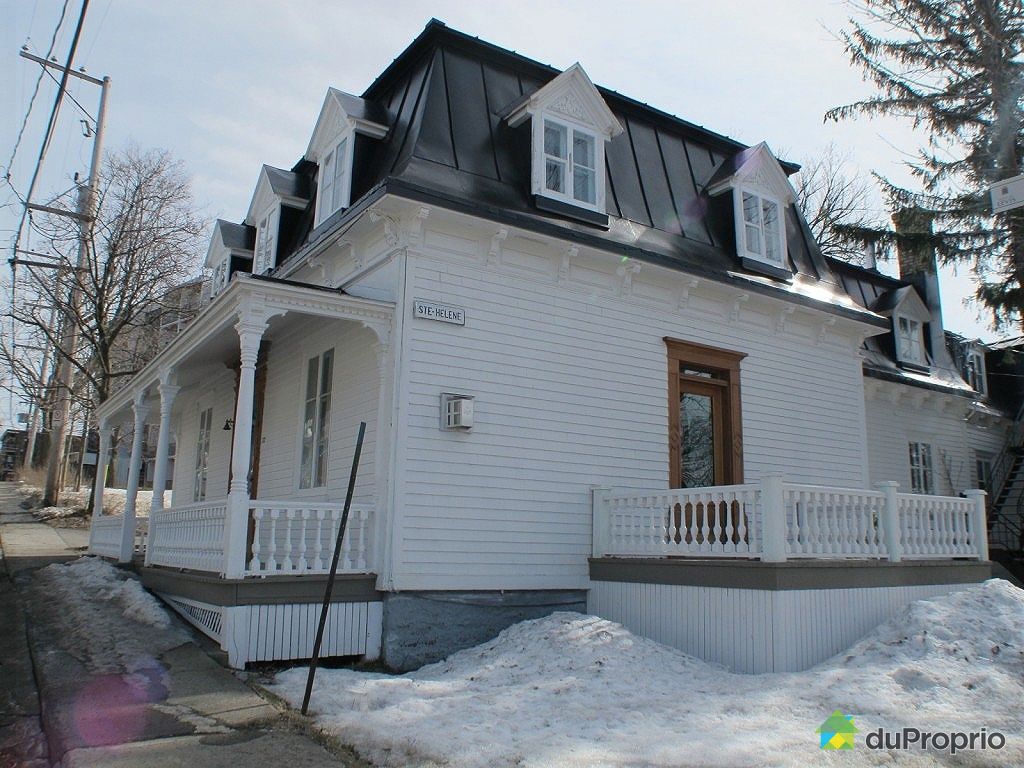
{"x":724,"y":365}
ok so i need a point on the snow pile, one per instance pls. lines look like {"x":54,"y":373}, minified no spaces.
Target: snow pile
{"x":77,"y":502}
{"x":573,"y":690}
{"x":108,"y":619}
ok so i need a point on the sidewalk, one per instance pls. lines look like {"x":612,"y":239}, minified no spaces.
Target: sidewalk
{"x":91,"y":663}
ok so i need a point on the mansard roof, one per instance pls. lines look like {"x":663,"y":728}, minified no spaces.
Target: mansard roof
{"x":448,"y":142}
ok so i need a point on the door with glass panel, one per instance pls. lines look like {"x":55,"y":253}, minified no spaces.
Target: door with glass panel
{"x":701,"y":432}
{"x":705,"y":442}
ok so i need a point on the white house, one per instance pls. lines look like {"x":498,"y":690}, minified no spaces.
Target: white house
{"x":603,"y":366}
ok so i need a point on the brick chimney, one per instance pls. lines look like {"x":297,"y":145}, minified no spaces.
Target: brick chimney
{"x":916,"y":256}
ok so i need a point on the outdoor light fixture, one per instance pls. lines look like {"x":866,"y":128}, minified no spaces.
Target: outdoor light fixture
{"x":229,"y":424}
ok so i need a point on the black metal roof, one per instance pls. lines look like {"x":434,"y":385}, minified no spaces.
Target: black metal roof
{"x":288,"y":184}
{"x":444,"y":97}
{"x":236,"y":236}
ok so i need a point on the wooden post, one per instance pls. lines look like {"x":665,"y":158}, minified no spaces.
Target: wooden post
{"x":890,"y":520}
{"x":140,"y":409}
{"x":601,"y":500}
{"x":250,"y":330}
{"x":979,"y":525}
{"x":773,"y":526}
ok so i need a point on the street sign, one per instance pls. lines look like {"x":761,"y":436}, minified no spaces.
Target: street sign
{"x":1007,"y":194}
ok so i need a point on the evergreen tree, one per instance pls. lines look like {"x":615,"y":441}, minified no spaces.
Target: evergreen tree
{"x":955,"y":68}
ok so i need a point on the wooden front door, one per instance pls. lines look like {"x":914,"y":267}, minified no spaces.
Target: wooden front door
{"x":701,"y":433}
{"x":705,"y":436}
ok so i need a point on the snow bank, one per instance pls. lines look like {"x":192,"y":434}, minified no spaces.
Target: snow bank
{"x":106,"y":615}
{"x":574,"y":690}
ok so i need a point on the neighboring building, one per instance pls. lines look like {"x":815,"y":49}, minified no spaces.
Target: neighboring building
{"x":603,"y":365}
{"x":12,"y":453}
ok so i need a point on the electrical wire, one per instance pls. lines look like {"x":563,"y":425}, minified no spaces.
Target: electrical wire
{"x":35,"y":91}
{"x":52,"y":122}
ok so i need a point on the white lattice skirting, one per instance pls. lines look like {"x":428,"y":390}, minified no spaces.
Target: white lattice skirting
{"x":283,"y":632}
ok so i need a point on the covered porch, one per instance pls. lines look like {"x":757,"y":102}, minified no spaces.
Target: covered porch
{"x":259,"y":497}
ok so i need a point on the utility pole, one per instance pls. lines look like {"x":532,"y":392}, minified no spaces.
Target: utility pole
{"x":37,"y":405}
{"x":69,"y":336}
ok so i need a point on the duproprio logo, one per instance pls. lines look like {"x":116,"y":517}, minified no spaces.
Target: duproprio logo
{"x":837,"y":731}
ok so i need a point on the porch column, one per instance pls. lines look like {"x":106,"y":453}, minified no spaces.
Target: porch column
{"x":250,"y":333}
{"x":140,"y":409}
{"x":163,"y":442}
{"x":102,"y":459}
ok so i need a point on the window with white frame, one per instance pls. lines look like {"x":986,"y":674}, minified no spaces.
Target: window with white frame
{"x":219,"y":281}
{"x":202,"y":454}
{"x":334,"y":179}
{"x":266,"y":243}
{"x":762,"y":233}
{"x":909,"y":341}
{"x":570,"y":156}
{"x":316,"y":419}
{"x":974,"y":369}
{"x":983,"y":471}
{"x":922,"y":473}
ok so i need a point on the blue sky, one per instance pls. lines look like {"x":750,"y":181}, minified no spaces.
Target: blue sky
{"x":229,"y":85}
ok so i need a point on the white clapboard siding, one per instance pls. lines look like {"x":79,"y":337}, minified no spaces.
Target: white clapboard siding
{"x":749,"y":630}
{"x":891,"y":427}
{"x":354,"y":398}
{"x":570,"y":387}
{"x":217,"y":391}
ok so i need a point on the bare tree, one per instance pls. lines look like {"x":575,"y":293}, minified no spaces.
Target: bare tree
{"x":144,"y":241}
{"x":834,"y":204}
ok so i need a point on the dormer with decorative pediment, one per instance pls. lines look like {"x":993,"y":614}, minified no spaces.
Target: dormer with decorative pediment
{"x":332,"y":147}
{"x":279,"y":199}
{"x":909,"y":315}
{"x":230,"y":251}
{"x":761,"y":195}
{"x":570,"y":125}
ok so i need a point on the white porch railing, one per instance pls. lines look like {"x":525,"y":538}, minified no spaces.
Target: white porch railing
{"x":774,"y":521}
{"x":293,"y":538}
{"x":189,"y":536}
{"x":105,"y":535}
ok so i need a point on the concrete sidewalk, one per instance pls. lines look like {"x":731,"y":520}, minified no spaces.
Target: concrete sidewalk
{"x":75,"y":692}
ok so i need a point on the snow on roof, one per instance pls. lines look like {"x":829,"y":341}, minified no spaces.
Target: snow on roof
{"x":576,"y":690}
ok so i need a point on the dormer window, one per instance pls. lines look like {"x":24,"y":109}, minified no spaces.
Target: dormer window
{"x":266,"y":242}
{"x":910,"y":341}
{"x":219,"y":281}
{"x":334,"y":179}
{"x":570,"y":124}
{"x":763,"y":234}
{"x":570,"y":166}
{"x":343,"y":118}
{"x":761,"y":193}
{"x":974,"y":370}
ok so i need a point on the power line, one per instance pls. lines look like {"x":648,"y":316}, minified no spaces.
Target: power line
{"x":52,"y":122}
{"x":35,"y":92}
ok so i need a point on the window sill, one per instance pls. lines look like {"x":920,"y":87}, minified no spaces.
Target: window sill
{"x":915,"y":367}
{"x":761,"y":267}
{"x":588,"y":215}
